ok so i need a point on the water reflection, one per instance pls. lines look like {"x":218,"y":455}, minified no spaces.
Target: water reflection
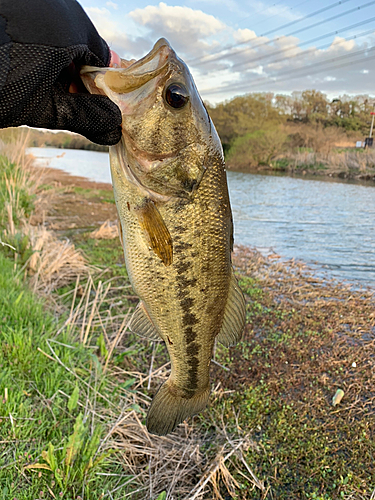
{"x":325,"y":223}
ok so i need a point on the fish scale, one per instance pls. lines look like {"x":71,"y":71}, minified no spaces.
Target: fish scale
{"x":172,"y":198}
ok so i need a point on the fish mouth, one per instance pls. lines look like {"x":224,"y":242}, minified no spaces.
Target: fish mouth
{"x":132,"y":75}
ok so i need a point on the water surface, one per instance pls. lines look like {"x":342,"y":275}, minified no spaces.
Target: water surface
{"x":330,"y":224}
{"x":327,"y":224}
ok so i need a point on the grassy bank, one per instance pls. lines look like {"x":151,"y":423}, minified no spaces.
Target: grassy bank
{"x":75,"y":385}
{"x":344,"y":163}
{"x":49,"y":441}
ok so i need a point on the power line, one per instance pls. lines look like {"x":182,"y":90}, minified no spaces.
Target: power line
{"x":294,"y":32}
{"x":312,"y":14}
{"x":296,"y":73}
{"x":312,"y":40}
{"x":268,"y":8}
{"x":307,"y":69}
{"x":343,"y":65}
{"x":299,"y":30}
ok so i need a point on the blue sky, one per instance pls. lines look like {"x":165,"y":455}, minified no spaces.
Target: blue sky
{"x":235,"y":47}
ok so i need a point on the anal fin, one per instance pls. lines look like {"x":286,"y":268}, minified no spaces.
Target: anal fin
{"x":142,"y":325}
{"x":155,"y":230}
{"x":234,"y":315}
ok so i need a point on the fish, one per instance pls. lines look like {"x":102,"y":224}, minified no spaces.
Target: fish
{"x":170,"y":187}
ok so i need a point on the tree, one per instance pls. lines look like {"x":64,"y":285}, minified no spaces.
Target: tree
{"x":243,"y":115}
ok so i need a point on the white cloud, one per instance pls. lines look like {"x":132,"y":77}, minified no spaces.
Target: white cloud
{"x":97,"y":11}
{"x":103,"y":21}
{"x":187,"y":30}
{"x":339,"y":44}
{"x":244,"y":35}
{"x":231,"y":5}
{"x":112,"y":4}
{"x":113,"y":32}
{"x":177,"y":19}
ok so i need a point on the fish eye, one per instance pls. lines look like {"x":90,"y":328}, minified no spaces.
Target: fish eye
{"x":176,"y":95}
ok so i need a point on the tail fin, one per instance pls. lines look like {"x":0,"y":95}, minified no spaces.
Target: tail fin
{"x":168,"y":409}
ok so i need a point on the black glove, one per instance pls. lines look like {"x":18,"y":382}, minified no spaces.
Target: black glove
{"x":43,"y":43}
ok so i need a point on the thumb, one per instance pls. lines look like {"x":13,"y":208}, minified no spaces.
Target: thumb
{"x":94,"y":116}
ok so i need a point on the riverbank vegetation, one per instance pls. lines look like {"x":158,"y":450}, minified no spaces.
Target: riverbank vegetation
{"x":301,"y":133}
{"x":75,"y":384}
{"x":48,"y":139}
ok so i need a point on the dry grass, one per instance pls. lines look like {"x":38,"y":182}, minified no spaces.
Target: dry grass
{"x":357,"y":162}
{"x":107,"y":231}
{"x":321,"y":139}
{"x":22,"y":178}
{"x":53,"y":263}
{"x":180,"y":463}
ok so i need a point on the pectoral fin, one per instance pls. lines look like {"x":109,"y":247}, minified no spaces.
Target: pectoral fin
{"x":234,"y":316}
{"x":155,"y":231}
{"x":142,"y":325}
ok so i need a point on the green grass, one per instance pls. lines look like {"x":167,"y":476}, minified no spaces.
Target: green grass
{"x":40,"y":419}
{"x":104,"y":195}
{"x":13,"y":191}
{"x":281,"y":164}
{"x":103,"y":253}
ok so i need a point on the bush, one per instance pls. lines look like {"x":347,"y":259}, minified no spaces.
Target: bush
{"x":256,"y":148}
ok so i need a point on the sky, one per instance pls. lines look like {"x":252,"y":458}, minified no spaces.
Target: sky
{"x":234,"y":47}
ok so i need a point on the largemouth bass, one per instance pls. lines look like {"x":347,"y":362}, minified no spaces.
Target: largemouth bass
{"x":172,"y":198}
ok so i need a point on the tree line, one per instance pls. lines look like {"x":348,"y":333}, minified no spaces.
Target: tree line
{"x":256,"y":128}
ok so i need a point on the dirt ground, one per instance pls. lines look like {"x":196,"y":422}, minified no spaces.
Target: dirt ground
{"x":75,"y":203}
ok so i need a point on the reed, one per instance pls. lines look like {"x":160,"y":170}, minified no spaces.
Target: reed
{"x":51,"y":263}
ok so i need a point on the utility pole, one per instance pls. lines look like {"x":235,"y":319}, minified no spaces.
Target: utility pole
{"x":372,"y":124}
{"x":369,"y":140}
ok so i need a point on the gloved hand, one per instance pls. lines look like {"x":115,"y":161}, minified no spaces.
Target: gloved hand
{"x":43,"y":43}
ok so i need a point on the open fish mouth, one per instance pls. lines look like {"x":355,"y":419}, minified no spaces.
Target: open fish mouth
{"x":131,"y":76}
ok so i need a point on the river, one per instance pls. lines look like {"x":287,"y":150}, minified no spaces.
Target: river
{"x":329,"y":225}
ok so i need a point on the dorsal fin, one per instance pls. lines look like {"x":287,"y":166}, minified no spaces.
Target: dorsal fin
{"x":234,"y":315}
